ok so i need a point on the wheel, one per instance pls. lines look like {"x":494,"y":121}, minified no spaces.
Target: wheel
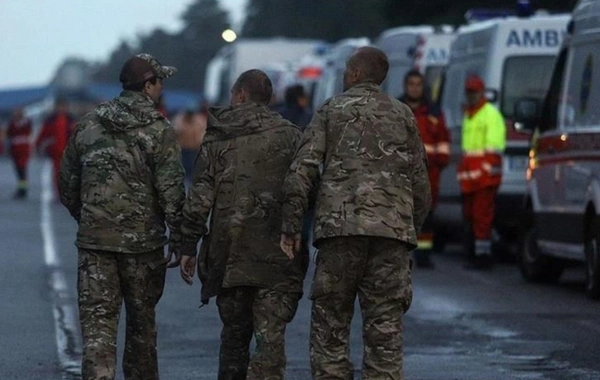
{"x":536,"y":267}
{"x":592,"y":260}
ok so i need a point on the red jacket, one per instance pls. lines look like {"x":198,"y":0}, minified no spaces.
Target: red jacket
{"x":436,"y":139}
{"x":18,"y":135}
{"x":55,"y":134}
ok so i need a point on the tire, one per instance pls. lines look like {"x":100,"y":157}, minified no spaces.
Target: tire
{"x":592,"y":260}
{"x":535,"y":266}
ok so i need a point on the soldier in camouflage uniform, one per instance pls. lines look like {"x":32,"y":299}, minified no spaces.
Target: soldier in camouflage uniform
{"x":373,"y":197}
{"x":121,"y":179}
{"x":239,"y":174}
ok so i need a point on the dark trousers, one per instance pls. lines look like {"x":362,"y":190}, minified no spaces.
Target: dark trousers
{"x":246,"y":311}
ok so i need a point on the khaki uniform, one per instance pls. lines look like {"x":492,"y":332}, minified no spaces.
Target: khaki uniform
{"x":373,"y":197}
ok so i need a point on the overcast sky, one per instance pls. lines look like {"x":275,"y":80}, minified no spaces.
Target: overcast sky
{"x":36,"y":35}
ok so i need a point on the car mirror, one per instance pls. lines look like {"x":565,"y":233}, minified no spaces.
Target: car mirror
{"x":491,"y":95}
{"x":526,"y":114}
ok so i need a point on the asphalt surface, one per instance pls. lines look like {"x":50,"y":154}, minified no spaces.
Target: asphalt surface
{"x":462,"y":325}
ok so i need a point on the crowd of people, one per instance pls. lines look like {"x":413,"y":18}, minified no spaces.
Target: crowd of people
{"x":367,"y":165}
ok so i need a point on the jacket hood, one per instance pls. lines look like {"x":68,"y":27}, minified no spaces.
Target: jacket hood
{"x":242,"y":120}
{"x":130,"y":110}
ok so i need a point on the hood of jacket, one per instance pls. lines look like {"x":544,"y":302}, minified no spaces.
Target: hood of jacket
{"x":130,"y":110}
{"x":242,"y":120}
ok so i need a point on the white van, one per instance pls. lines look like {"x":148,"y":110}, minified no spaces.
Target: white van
{"x":563,"y":194}
{"x":400,"y":46}
{"x":515,"y":57}
{"x":332,"y":77}
{"x":432,"y":56}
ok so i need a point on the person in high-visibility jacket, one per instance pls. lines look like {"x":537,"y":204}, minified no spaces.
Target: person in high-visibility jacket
{"x":480,"y":170}
{"x":436,"y":140}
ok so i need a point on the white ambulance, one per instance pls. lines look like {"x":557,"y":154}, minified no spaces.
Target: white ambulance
{"x":515,"y":57}
{"x":332,"y":77}
{"x":422,"y":47}
{"x":563,"y":196}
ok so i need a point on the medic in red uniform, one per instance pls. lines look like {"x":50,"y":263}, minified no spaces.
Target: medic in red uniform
{"x":54,"y":136}
{"x":436,"y":140}
{"x":18,"y":135}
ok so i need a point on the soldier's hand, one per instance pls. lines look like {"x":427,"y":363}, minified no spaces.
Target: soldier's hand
{"x":188,"y":268}
{"x":290,"y":244}
{"x":174,"y":258}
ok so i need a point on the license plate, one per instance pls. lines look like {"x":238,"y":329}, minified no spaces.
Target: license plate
{"x":517,"y":163}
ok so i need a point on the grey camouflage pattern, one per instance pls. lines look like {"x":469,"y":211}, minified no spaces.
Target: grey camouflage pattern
{"x":239,"y":175}
{"x":265,"y":313}
{"x":121,"y":177}
{"x":162,"y":71}
{"x":379,"y":271}
{"x":374,"y":180}
{"x":105,"y":280}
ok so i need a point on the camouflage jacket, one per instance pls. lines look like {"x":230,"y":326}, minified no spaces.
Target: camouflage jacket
{"x":374,"y":180}
{"x":121,"y":177}
{"x":239,"y":175}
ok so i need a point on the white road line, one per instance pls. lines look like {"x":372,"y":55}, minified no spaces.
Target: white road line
{"x":65,"y":317}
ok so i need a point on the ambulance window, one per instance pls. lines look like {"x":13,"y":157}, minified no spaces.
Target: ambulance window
{"x":394,"y":81}
{"x":453,"y":92}
{"x":550,"y":107}
{"x":433,"y":76}
{"x":579,"y":102}
{"x":525,"y":77}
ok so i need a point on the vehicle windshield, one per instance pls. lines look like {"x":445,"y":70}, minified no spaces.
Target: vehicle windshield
{"x":433,"y":76}
{"x":525,"y":77}
{"x":395,"y":78}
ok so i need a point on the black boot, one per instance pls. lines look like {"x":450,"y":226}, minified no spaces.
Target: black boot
{"x":423,"y":259}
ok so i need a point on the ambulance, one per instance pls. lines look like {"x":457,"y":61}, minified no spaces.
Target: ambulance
{"x":332,"y":77}
{"x":515,"y":57}
{"x":563,"y":192}
{"x":415,"y":47}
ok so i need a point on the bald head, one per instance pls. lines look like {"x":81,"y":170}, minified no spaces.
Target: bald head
{"x":367,"y":64}
{"x":252,"y":86}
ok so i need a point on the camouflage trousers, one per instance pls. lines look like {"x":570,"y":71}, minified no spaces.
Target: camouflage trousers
{"x":105,"y":280}
{"x":265,"y":313}
{"x":379,"y":271}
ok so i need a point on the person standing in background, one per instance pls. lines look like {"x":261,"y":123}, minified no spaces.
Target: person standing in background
{"x":190,"y":128}
{"x":295,"y":108}
{"x":18,"y":135}
{"x":55,"y":134}
{"x":480,"y":170}
{"x":436,"y":138}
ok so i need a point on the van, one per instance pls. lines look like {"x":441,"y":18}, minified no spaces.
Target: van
{"x":332,"y":77}
{"x":563,"y":188}
{"x":515,"y":57}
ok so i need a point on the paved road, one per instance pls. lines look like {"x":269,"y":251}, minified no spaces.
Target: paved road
{"x":462,"y":325}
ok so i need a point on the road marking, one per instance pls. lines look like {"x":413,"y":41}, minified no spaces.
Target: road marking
{"x":65,"y":318}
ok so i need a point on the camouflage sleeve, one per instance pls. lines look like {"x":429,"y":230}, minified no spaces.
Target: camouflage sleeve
{"x":69,"y":180}
{"x":418,"y":175}
{"x":303,"y":173}
{"x":169,"y":185}
{"x":199,"y":203}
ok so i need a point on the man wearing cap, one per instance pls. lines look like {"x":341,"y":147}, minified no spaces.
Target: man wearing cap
{"x":480,"y":170}
{"x":122,"y":180}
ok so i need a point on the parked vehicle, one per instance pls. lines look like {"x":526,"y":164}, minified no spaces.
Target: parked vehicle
{"x":246,"y":54}
{"x":331,"y":82}
{"x":563,"y":190}
{"x":515,"y":57}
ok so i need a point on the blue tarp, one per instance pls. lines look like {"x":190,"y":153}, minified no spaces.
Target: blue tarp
{"x":175,"y":100}
{"x":12,"y":98}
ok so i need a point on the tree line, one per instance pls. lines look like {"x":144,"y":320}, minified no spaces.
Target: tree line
{"x":191,"y":48}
